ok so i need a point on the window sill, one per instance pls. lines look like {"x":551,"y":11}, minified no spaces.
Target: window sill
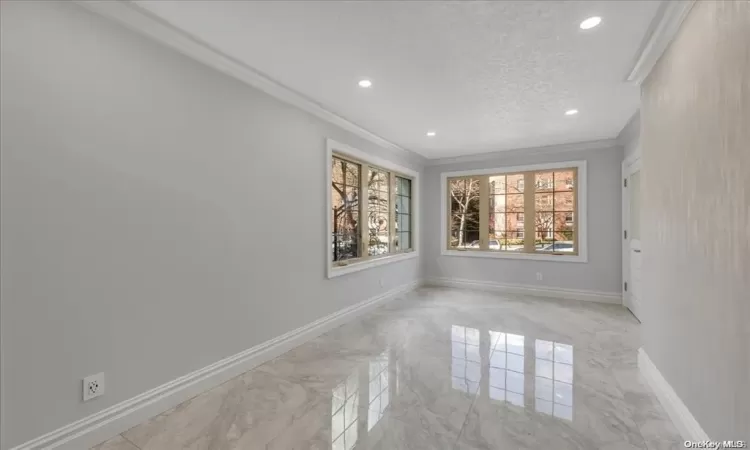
{"x":509,"y":255}
{"x":337,"y":271}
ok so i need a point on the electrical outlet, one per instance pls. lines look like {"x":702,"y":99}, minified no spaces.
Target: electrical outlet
{"x":539,"y":276}
{"x":93,"y":386}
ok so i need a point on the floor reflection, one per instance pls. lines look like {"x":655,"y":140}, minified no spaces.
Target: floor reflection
{"x":507,"y":368}
{"x":370,"y":387}
{"x":554,"y":379}
{"x":466,"y":360}
{"x":344,"y":414}
{"x":379,"y":390}
{"x":547,"y":364}
{"x":503,"y":367}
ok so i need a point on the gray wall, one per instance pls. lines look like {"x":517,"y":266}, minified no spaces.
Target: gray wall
{"x":603,"y":271}
{"x":630,"y":135}
{"x":695,"y":120}
{"x":157,"y":216}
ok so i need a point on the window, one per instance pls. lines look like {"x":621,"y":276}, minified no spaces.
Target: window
{"x":464,"y":199}
{"x":403,"y":213}
{"x":485,"y":212}
{"x":378,"y":212}
{"x":374,"y":229}
{"x":345,"y":213}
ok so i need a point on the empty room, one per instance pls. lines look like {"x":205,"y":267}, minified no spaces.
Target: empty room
{"x":553,"y":252}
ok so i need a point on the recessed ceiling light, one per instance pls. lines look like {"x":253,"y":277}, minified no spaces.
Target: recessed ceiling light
{"x":431,"y":133}
{"x":571,"y":112}
{"x":365,"y":83}
{"x":591,"y":22}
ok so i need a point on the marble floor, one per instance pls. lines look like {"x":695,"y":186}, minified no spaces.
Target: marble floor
{"x":436,"y":369}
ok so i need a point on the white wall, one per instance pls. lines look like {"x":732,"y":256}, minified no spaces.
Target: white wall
{"x":630,"y":135}
{"x":601,"y":274}
{"x":695,"y":120}
{"x":157,"y":216}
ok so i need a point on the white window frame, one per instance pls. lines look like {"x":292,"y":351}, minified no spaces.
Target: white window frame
{"x":581,"y":208}
{"x":336,"y":147}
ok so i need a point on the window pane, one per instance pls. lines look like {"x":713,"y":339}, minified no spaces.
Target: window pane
{"x":544,"y":222}
{"x":544,"y":240}
{"x":337,"y":171}
{"x":497,"y":203}
{"x":564,"y":201}
{"x":544,"y":181}
{"x":515,"y":183}
{"x":352,"y":174}
{"x":378,"y":212}
{"x":506,"y":202}
{"x":497,"y":222}
{"x":403,"y":241}
{"x":497,"y":184}
{"x":514,"y":203}
{"x":564,"y":180}
{"x":403,"y":186}
{"x":403,"y":222}
{"x":464,"y":211}
{"x":377,"y":180}
{"x":555,"y":211}
{"x":497,"y":240}
{"x":402,"y":235}
{"x":344,"y":213}
{"x":403,"y":204}
{"x":515,"y":240}
{"x":543,"y":202}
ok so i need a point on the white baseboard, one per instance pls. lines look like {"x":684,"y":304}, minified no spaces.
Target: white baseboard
{"x":539,"y":291}
{"x":118,"y":418}
{"x":686,"y":424}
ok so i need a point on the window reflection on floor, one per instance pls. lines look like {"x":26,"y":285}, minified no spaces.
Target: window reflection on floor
{"x":379,"y":392}
{"x":344,"y":414}
{"x":507,"y":368}
{"x":554,"y":379}
{"x":466,"y":361}
{"x":550,"y":368}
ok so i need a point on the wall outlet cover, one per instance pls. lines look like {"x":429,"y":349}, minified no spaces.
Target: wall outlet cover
{"x":93,"y":386}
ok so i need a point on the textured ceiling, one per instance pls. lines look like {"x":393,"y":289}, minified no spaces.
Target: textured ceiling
{"x":486,"y":76}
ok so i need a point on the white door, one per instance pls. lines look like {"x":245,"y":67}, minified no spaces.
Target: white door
{"x":632,"y":254}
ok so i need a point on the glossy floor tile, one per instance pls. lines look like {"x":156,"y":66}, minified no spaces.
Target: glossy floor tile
{"x":436,"y":369}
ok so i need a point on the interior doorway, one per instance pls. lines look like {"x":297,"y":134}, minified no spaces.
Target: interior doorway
{"x":632,"y":251}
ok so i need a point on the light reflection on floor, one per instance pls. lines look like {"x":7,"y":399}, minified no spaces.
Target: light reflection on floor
{"x":506,"y":356}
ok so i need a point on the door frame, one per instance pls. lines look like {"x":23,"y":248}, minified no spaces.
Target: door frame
{"x":629,"y":165}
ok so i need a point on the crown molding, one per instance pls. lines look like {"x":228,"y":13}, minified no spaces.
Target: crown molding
{"x":663,"y":29}
{"x":144,"y":22}
{"x":603,"y":144}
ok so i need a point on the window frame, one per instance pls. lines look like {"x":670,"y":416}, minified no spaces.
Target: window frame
{"x":580,"y":215}
{"x":366,"y":161}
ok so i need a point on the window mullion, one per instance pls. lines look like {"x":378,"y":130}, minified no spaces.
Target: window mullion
{"x":529,"y":214}
{"x":484,"y":212}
